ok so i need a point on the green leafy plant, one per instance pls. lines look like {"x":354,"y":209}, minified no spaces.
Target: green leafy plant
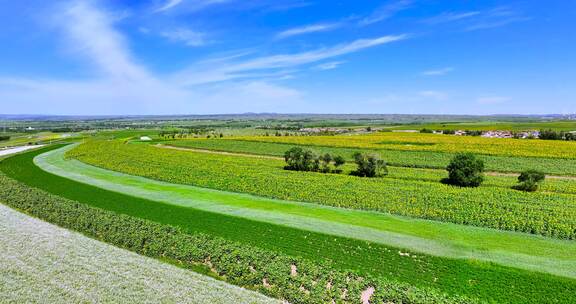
{"x":465,"y":170}
{"x":529,"y":180}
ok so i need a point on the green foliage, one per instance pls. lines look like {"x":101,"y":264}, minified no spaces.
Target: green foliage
{"x":465,"y":170}
{"x":298,"y":159}
{"x":2,"y":138}
{"x":550,"y":134}
{"x":369,"y":165}
{"x":245,"y":252}
{"x":529,"y":180}
{"x":501,"y":208}
{"x":426,"y":130}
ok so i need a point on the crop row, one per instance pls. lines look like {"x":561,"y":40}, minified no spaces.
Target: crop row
{"x":417,"y":159}
{"x":437,"y":143}
{"x":549,"y":214}
{"x":238,"y":246}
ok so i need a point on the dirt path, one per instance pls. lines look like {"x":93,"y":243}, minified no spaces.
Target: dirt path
{"x":490,"y":173}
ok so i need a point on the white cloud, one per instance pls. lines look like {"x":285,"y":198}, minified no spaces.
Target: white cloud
{"x":314,"y":28}
{"x":451,"y":16}
{"x":168,"y":5}
{"x":233,"y":70}
{"x":492,"y":100}
{"x":436,"y":95}
{"x":438,"y":72}
{"x":329,"y":65}
{"x":89,"y":31}
{"x":497,"y":17}
{"x":386,"y":12}
{"x":188,"y":5}
{"x":186,"y":36}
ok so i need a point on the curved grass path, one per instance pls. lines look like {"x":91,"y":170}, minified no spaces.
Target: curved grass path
{"x":435,"y":238}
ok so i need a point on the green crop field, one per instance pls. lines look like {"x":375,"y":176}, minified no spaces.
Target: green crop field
{"x":551,"y":214}
{"x":227,"y":208}
{"x":422,"y":159}
{"x":454,"y":276}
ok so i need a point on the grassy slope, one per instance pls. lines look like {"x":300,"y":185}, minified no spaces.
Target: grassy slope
{"x":44,"y":263}
{"x":425,"y":159}
{"x":549,"y":214}
{"x":476,"y":279}
{"x":436,"y":238}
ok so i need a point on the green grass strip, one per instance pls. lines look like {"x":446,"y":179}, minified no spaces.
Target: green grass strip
{"x":486,"y":281}
{"x":430,"y":237}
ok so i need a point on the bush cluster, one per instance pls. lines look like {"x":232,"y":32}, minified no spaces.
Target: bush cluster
{"x":299,"y":159}
{"x":3,"y":137}
{"x":465,"y":170}
{"x":550,"y":134}
{"x":529,"y":180}
{"x":265,"y":271}
{"x":369,"y":165}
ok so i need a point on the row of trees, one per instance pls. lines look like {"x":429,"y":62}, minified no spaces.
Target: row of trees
{"x":368,"y":165}
{"x":556,"y":135}
{"x":464,"y":170}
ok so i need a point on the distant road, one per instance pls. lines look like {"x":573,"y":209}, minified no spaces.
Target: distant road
{"x":17,"y":149}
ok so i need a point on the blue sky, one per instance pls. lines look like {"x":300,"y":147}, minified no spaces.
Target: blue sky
{"x":289,"y":56}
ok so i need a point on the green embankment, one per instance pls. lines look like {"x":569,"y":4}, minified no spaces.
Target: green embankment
{"x":421,"y":159}
{"x":464,"y":277}
{"x":549,"y":214}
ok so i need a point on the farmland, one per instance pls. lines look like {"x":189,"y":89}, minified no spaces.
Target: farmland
{"x":421,"y":159}
{"x":227,"y":208}
{"x":365,"y":258}
{"x":538,"y":213}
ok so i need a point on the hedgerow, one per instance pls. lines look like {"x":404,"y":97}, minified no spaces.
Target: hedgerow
{"x":549,"y":214}
{"x":293,"y":279}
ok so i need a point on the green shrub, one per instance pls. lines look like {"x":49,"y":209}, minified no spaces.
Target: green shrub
{"x":465,"y":170}
{"x":529,"y":180}
{"x":369,"y":165}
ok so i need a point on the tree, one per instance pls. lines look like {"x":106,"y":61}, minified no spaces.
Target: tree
{"x":369,"y":165}
{"x":529,"y":180}
{"x":326,"y":160}
{"x":338,"y":161}
{"x":426,"y":130}
{"x":300,"y":160}
{"x":465,"y":170}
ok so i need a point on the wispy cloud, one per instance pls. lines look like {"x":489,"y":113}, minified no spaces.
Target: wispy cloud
{"x":451,"y":17}
{"x":496,"y":17}
{"x":480,"y":20}
{"x":386,"y":12}
{"x":186,"y":36}
{"x":436,"y":95}
{"x":492,"y":100}
{"x":329,"y":65}
{"x":438,"y":72}
{"x":313,"y":28}
{"x":233,"y":70}
{"x":189,"y":5}
{"x":90,"y":33}
{"x":168,"y":5}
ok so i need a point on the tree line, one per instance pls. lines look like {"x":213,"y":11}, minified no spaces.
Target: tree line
{"x":464,"y":170}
